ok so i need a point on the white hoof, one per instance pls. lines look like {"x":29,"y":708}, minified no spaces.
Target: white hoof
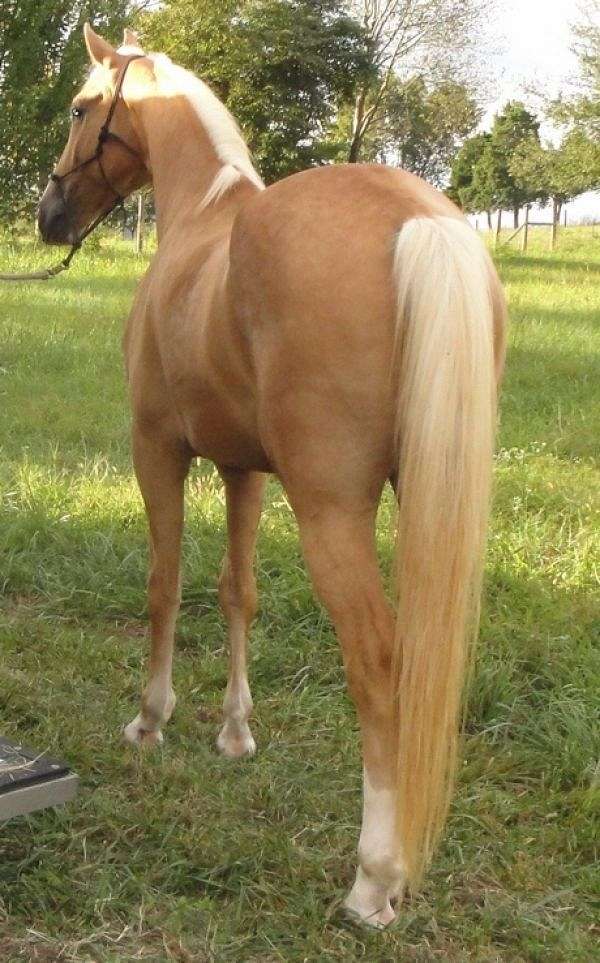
{"x":235,"y":741}
{"x":378,"y":919}
{"x":139,"y":734}
{"x":369,"y":902}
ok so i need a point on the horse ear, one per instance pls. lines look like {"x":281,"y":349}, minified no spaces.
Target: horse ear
{"x":101,"y":52}
{"x":130,"y":38}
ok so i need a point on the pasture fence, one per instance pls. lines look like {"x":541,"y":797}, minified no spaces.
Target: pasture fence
{"x":522,"y":232}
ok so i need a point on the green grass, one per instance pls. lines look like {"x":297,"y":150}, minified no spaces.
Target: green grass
{"x":180,"y":855}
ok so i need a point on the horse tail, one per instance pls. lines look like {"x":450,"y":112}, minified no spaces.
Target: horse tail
{"x":445,"y":429}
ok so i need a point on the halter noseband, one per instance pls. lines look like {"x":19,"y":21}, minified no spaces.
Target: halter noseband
{"x":104,"y":135}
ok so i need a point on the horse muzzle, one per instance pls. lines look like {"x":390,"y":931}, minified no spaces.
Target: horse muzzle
{"x":55,"y":224}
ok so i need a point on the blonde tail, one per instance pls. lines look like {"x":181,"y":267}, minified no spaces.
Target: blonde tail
{"x":446,"y":419}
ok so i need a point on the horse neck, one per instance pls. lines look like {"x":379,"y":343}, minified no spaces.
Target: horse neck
{"x":184,"y":164}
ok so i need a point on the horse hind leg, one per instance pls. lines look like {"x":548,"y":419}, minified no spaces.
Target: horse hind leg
{"x":339,"y":548}
{"x":237,"y":594}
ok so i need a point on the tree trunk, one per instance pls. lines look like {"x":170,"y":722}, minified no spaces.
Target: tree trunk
{"x":354,"y":152}
{"x":498,"y":228}
{"x":525,"y":235}
{"x":555,"y":215}
{"x":489,"y":219}
{"x":515,"y":217}
{"x":357,"y":132}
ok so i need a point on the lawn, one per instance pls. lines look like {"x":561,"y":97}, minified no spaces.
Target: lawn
{"x":177,"y":854}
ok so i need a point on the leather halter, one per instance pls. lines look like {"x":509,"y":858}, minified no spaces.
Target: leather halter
{"x":104,"y":135}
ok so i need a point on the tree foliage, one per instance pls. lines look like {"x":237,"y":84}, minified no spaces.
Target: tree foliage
{"x":581,"y":110}
{"x":511,"y":127}
{"x":434,"y":40}
{"x":422,"y":129}
{"x":559,"y":173}
{"x":468,"y":187}
{"x":283,"y":68}
{"x":41,"y":60}
{"x":482,"y":178}
{"x":293,"y":72}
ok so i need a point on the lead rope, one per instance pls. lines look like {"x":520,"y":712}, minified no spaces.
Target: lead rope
{"x":45,"y":274}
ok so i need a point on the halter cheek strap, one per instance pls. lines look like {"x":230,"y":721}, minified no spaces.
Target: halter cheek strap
{"x":104,"y":135}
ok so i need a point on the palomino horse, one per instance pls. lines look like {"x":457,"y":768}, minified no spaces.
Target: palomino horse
{"x":342,"y":328}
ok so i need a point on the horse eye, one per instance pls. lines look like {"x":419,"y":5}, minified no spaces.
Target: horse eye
{"x":77,"y":113}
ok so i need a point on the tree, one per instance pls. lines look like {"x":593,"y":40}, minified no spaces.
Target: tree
{"x":511,"y":127}
{"x":282,"y":67}
{"x":41,"y":59}
{"x":431,"y":39}
{"x":581,"y":111}
{"x":482,"y":177}
{"x":469,"y":186}
{"x":558,"y":173}
{"x":422,"y":129}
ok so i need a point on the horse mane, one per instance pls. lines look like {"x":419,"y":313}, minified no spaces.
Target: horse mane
{"x":221,"y":129}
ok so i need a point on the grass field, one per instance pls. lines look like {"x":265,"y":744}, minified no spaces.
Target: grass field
{"x":180,"y":855}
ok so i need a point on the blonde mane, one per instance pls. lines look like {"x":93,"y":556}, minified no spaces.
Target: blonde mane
{"x":220,"y":127}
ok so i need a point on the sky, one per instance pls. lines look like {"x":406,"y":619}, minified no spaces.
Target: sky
{"x":533,"y":43}
{"x":533,"y":40}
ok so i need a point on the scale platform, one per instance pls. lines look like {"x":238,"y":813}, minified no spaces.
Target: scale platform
{"x":31,"y":780}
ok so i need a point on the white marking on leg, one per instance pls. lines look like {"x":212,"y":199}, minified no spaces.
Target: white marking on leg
{"x":158,"y":702}
{"x":235,"y":738}
{"x":379,"y":875}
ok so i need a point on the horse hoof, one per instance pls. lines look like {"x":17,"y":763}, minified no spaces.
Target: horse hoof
{"x":377,"y":920}
{"x":137,"y":735}
{"x":234,"y":745}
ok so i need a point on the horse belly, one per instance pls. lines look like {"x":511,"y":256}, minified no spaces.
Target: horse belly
{"x":173,"y":389}
{"x":217,"y":430}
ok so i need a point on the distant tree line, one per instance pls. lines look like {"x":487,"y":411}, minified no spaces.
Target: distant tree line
{"x":509,"y":167}
{"x":309,"y":81}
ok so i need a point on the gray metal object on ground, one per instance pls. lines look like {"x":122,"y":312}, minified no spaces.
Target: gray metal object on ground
{"x":30,"y":780}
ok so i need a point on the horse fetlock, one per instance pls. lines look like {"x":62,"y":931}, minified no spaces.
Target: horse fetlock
{"x":384,"y":868}
{"x":237,"y":704}
{"x":141,"y":732}
{"x":158,"y":703}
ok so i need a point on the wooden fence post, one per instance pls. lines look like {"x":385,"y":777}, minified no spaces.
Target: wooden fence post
{"x":139,"y":225}
{"x":525,"y":235}
{"x":553,"y":230}
{"x":498,"y":227}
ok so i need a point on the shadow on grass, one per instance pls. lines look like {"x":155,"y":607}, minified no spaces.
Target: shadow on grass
{"x":93,"y":570}
{"x":566,"y":362}
{"x":552,"y":397}
{"x":568,"y":318}
{"x":516,"y":263}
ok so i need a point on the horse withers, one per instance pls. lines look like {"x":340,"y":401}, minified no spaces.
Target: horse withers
{"x":341,"y":329}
